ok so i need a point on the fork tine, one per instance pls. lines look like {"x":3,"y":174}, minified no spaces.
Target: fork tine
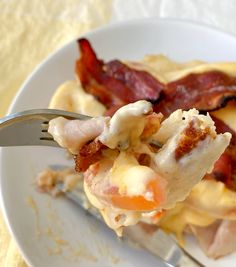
{"x":46,"y":139}
{"x":45,"y":125}
{"x":31,"y":127}
{"x":45,"y":135}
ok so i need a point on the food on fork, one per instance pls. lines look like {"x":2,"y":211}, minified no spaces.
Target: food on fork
{"x":127,"y":177}
{"x":101,"y":88}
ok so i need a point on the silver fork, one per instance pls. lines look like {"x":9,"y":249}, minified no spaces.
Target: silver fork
{"x":30,"y":127}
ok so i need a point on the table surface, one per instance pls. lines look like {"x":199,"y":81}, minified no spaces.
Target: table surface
{"x":34,"y":29}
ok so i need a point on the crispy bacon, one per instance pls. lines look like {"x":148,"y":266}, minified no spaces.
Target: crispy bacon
{"x":114,"y":83}
{"x":222,"y":127}
{"x":88,"y":155}
{"x":91,"y":75}
{"x":144,"y":159}
{"x":189,"y":140}
{"x":142,"y":84}
{"x":225,"y":167}
{"x":204,"y":91}
{"x":153,"y":123}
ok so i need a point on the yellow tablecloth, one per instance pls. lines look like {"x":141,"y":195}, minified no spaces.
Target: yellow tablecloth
{"x":30,"y":30}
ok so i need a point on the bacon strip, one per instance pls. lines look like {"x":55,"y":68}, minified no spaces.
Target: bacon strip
{"x":204,"y":91}
{"x":189,"y":140}
{"x":225,"y":167}
{"x":114,"y":83}
{"x":88,"y":155}
{"x":142,"y":84}
{"x":221,"y":127}
{"x":90,"y":72}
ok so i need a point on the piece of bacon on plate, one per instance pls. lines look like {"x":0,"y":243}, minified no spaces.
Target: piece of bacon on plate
{"x":225,"y":167}
{"x":114,"y":84}
{"x":88,"y":155}
{"x":204,"y":91}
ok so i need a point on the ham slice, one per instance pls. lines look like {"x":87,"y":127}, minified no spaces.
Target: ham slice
{"x":217,"y":239}
{"x":74,"y":134}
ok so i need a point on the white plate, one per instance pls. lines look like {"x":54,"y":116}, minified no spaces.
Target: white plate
{"x":39,"y":231}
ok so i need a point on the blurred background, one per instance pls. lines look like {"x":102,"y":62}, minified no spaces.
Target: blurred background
{"x":31,"y":29}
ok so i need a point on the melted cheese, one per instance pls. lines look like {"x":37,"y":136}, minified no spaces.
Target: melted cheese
{"x":204,"y":195}
{"x":166,"y":70}
{"x":126,"y":125}
{"x":176,"y":220}
{"x":116,"y":219}
{"x":70,"y":96}
{"x":129,"y":176}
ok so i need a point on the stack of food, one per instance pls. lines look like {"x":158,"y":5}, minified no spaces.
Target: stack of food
{"x":156,"y":150}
